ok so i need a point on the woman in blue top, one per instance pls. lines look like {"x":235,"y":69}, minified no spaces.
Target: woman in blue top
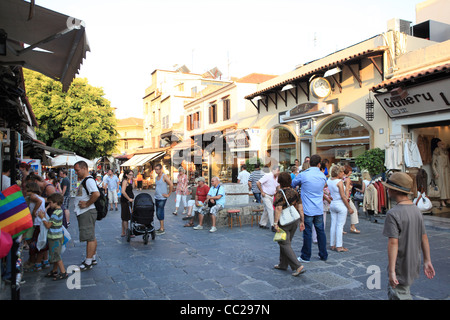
{"x":163,"y":189}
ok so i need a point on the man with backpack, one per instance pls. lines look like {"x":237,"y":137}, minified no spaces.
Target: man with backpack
{"x":86,"y":213}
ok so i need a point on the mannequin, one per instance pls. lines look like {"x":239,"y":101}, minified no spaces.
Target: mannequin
{"x":440,"y":166}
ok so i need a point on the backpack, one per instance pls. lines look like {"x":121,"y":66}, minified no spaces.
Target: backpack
{"x":101,"y":204}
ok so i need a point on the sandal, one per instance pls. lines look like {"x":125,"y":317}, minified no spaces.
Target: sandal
{"x":279,"y":268}
{"x":355,"y":231}
{"x":61,"y":276}
{"x":342,"y":249}
{"x":189,"y":224}
{"x":51,"y":274}
{"x":299,"y":271}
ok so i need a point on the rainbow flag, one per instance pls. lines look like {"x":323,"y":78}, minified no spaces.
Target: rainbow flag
{"x":15,"y":217}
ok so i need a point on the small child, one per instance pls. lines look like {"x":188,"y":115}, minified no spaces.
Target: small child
{"x":36,"y":205}
{"x":55,"y":236}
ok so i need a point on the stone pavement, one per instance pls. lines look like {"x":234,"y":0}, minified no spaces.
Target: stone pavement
{"x":237,"y":264}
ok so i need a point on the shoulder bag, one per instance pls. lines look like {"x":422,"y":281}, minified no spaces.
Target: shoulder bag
{"x":288,"y":215}
{"x":433,"y":190}
{"x":423,"y":202}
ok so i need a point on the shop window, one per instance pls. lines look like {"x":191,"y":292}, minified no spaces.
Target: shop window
{"x":342,"y":139}
{"x":281,"y":146}
{"x":342,"y":127}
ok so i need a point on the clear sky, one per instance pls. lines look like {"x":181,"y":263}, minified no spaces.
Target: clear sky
{"x":130,"y":39}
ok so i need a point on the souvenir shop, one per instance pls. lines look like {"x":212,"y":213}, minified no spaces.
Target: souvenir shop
{"x":419,"y":109}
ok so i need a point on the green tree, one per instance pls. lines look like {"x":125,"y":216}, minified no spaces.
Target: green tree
{"x":372,"y":160}
{"x":80,"y":120}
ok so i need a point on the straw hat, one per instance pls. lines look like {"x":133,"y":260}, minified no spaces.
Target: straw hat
{"x":399,"y":181}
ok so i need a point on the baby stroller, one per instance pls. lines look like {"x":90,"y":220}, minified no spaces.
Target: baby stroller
{"x":141,"y":222}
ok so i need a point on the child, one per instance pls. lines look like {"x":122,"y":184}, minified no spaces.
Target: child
{"x":55,"y":236}
{"x":405,"y":229}
{"x":36,"y":205}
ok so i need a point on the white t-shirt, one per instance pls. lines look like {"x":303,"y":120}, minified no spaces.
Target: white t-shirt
{"x":243,"y":177}
{"x":81,"y":195}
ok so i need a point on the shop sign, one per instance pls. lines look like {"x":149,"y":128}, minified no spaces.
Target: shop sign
{"x":308,"y":110}
{"x":430,"y":97}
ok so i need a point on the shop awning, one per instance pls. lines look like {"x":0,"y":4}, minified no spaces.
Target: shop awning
{"x":141,"y":159}
{"x":43,"y":40}
{"x":52,"y":151}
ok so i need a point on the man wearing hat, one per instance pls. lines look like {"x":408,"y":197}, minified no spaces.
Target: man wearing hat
{"x":405,"y":229}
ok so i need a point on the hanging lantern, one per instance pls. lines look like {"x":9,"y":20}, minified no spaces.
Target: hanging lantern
{"x":370,"y":109}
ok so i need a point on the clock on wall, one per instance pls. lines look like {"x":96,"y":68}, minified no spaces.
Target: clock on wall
{"x":320,"y":88}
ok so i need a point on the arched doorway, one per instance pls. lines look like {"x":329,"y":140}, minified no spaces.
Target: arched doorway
{"x":281,"y":147}
{"x":342,"y":137}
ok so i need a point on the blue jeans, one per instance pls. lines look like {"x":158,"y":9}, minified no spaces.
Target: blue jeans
{"x":160,"y":208}
{"x":317,"y":222}
{"x":257,"y":197}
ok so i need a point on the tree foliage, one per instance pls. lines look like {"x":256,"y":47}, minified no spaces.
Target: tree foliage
{"x":80,"y":120}
{"x":372,"y":160}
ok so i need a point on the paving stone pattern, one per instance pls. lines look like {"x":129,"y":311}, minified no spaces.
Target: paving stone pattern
{"x":237,"y":264}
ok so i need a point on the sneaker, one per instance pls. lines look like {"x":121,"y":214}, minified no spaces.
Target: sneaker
{"x":301,"y":260}
{"x":213,"y":229}
{"x":160,"y":232}
{"x":199,"y":227}
{"x":94,"y":262}
{"x":84,"y":266}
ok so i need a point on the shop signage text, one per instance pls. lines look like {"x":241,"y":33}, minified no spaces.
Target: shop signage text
{"x":425,"y":98}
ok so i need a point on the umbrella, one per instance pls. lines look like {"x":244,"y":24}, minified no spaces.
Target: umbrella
{"x":69,"y":160}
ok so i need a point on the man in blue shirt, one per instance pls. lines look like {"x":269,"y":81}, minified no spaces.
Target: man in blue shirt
{"x":216,"y":194}
{"x":312,"y":182}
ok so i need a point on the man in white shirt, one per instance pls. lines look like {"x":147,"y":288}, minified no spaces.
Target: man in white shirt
{"x":111,"y":184}
{"x":86,"y":213}
{"x":268,"y":185}
{"x":243,"y":175}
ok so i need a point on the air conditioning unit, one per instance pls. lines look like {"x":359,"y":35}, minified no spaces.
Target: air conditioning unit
{"x":400,"y":25}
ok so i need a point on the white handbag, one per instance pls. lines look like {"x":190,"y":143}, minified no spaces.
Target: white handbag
{"x":423,"y":202}
{"x":288,"y":215}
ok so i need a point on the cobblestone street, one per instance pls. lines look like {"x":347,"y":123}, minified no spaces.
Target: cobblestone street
{"x":237,"y":264}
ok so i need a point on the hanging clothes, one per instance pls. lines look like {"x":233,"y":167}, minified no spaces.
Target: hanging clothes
{"x":394,"y":155}
{"x":370,"y":201}
{"x":412,"y":155}
{"x":424,"y":146}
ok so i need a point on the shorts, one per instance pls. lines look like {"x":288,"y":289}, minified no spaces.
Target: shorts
{"x":66,"y":202}
{"x":112,"y":196}
{"x":400,"y":292}
{"x":160,"y":208}
{"x":213,"y":210}
{"x":86,"y":225}
{"x":54,"y":250}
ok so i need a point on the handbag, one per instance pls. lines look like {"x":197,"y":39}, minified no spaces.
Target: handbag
{"x":358,"y":196}
{"x":280,"y":235}
{"x":423,"y":202}
{"x":433,"y":190}
{"x":288,"y":215}
{"x":211,"y":202}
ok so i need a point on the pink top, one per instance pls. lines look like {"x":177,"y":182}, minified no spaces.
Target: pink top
{"x":269,"y":184}
{"x":182,"y":185}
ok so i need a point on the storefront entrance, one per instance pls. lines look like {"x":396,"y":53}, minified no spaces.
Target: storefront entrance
{"x":281,"y":146}
{"x":342,"y":138}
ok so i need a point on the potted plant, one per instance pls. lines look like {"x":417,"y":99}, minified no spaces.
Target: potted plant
{"x":372,"y":160}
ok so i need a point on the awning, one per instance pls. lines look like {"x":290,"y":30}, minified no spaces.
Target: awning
{"x":52,"y":151}
{"x":141,"y":159}
{"x":43,"y":40}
